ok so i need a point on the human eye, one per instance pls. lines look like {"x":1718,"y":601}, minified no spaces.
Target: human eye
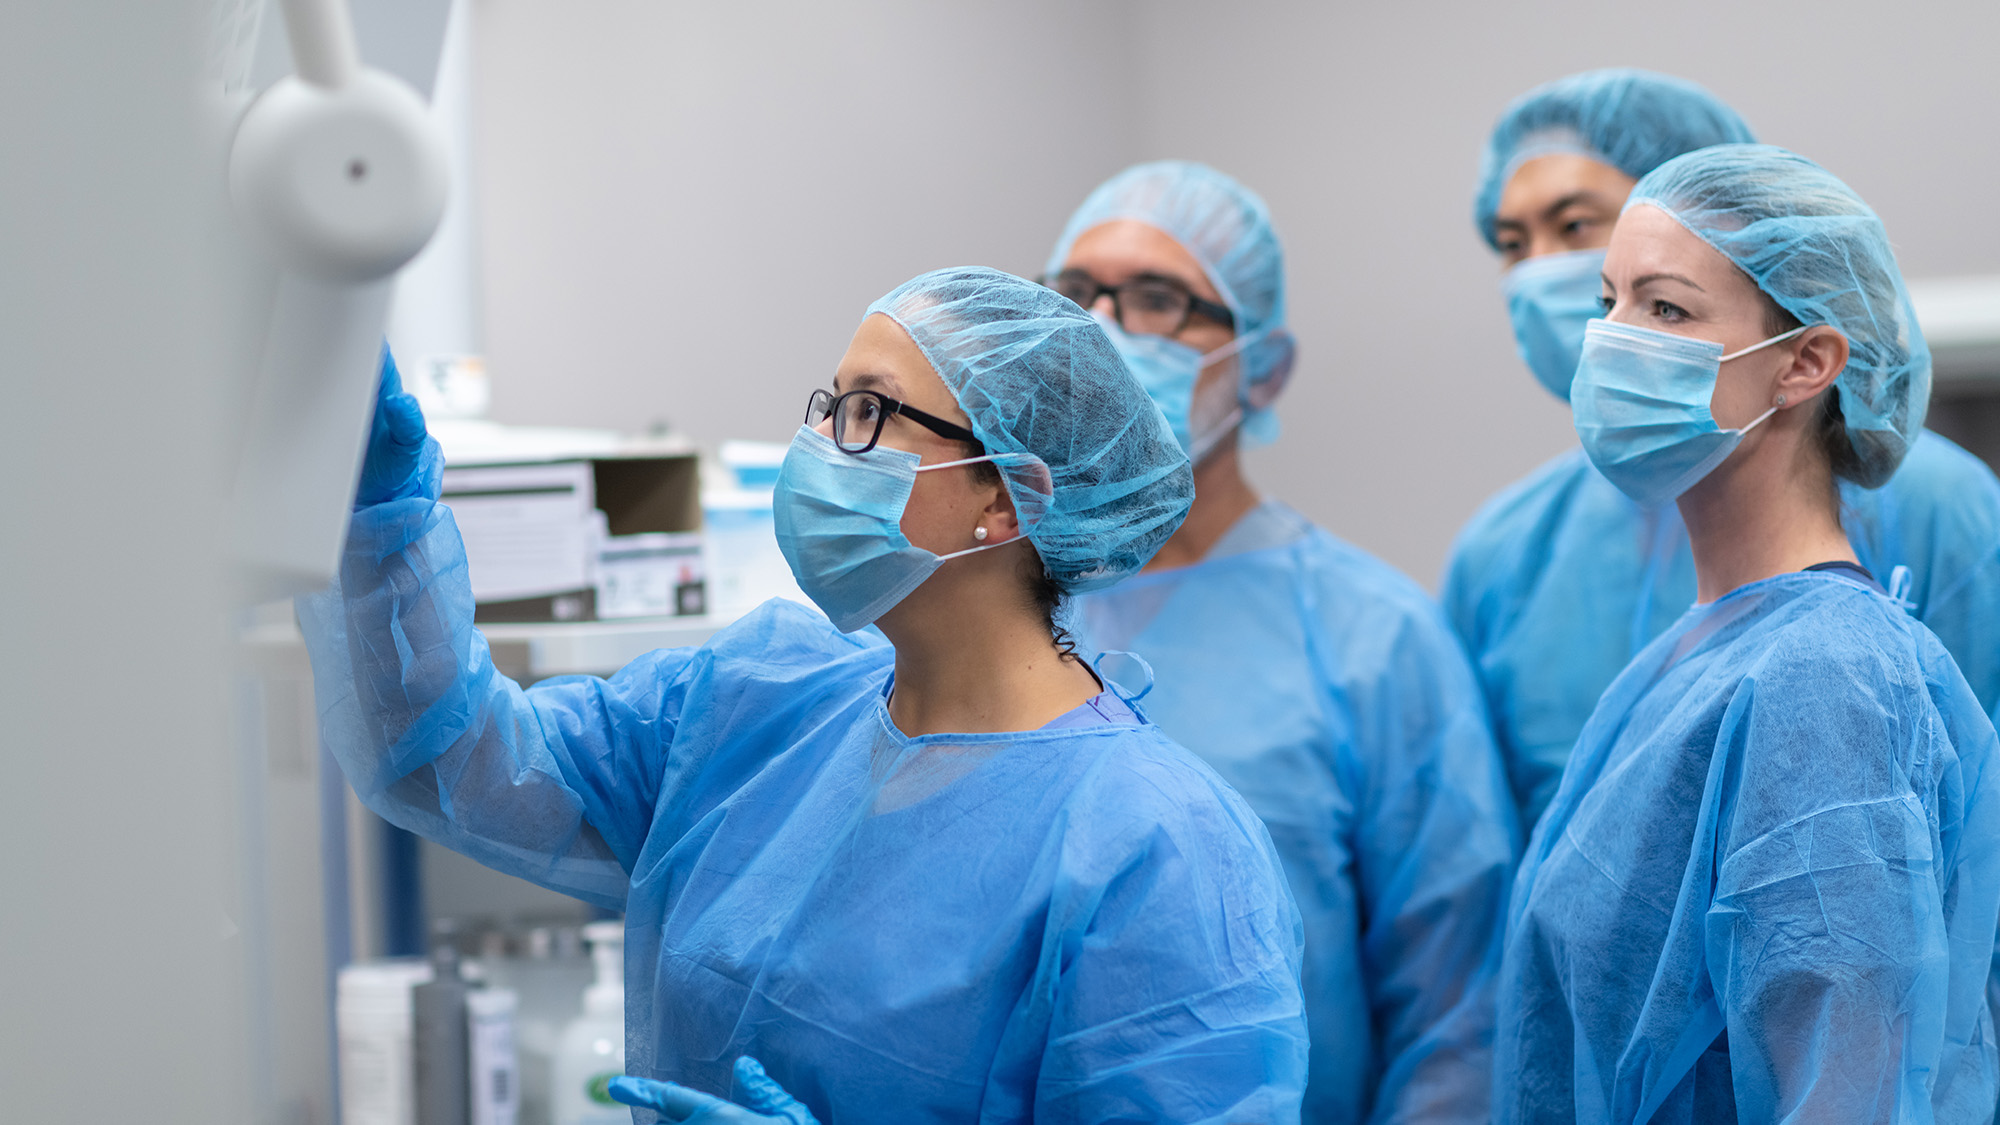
{"x":1669,"y":312}
{"x":1606,"y":303}
{"x":1078,"y":287}
{"x":1155,"y":298}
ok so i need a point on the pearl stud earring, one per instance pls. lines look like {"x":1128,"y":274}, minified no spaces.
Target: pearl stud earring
{"x":979,"y":533}
{"x":1781,"y":400}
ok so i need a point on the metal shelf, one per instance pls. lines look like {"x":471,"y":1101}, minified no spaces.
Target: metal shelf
{"x":598,"y":648}
{"x":543,"y":649}
{"x":1961,"y":322}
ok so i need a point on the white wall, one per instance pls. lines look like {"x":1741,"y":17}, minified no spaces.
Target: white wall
{"x":688,"y":206}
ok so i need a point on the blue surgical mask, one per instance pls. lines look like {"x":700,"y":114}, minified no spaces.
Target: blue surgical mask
{"x":1550,"y":299}
{"x":1169,"y":371}
{"x":839,"y":519}
{"x":1641,"y":404}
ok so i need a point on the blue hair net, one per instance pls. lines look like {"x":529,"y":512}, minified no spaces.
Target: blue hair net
{"x":1037,"y":375}
{"x":1633,"y":120}
{"x":1810,"y":243}
{"x":1228,"y":230}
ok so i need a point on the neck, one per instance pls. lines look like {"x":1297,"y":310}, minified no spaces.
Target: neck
{"x":1767,"y":514}
{"x":978,"y":665}
{"x":1221,"y":497}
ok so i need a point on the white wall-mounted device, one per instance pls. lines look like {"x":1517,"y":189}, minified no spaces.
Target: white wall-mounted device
{"x":341,"y":177}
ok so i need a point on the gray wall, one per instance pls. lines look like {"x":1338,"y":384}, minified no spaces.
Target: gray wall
{"x":687,"y":206}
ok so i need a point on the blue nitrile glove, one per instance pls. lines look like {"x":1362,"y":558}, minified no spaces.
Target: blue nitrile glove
{"x":767,"y":1102}
{"x":393,"y":468}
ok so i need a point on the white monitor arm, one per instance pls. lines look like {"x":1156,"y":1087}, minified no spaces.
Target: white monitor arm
{"x":341,"y":176}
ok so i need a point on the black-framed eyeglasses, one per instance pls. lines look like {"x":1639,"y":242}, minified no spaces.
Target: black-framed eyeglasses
{"x":858,"y":417}
{"x":1148,"y":305}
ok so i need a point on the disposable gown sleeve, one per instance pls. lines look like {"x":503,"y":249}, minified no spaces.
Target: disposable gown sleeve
{"x":1853,"y":890}
{"x":1963,"y":602}
{"x":1436,"y":844}
{"x":555,"y":784}
{"x":1168,"y":1011}
{"x":1488,"y":579}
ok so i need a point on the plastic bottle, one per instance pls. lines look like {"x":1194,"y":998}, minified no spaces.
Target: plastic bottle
{"x":496,"y":1072}
{"x":373,"y":1024}
{"x":592,"y":1052}
{"x":442,"y":1053}
{"x":549,"y":974}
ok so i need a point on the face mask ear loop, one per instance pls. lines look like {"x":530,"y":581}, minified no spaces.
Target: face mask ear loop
{"x":954,"y":464}
{"x":1782,"y":336}
{"x":975,"y":550}
{"x":1779,"y":338}
{"x":1757,"y":421}
{"x":1206,"y":443}
{"x":1234,"y":346}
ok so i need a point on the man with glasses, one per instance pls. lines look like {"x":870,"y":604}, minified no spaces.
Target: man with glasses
{"x":1318,"y":681}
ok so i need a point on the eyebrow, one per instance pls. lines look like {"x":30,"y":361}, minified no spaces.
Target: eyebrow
{"x":1550,"y":212}
{"x":1188,"y":284}
{"x":1642,"y":281}
{"x":1568,"y":201}
{"x":869,"y":380}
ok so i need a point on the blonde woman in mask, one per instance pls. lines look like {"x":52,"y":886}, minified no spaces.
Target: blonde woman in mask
{"x":1561,"y":579}
{"x":1766,"y":888}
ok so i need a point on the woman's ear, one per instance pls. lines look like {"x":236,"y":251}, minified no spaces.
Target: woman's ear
{"x":1817,"y":360}
{"x":1001,"y":521}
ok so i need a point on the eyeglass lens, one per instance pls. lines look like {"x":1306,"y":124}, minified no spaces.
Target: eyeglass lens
{"x":1146,"y":306}
{"x":857,"y":417}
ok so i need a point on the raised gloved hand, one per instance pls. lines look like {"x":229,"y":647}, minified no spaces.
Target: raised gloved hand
{"x":393,"y":468}
{"x":764,"y":1102}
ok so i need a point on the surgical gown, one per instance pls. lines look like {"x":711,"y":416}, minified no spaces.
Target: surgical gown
{"x":1328,"y":690}
{"x":1075,"y":924}
{"x":1767,"y":886}
{"x":1560,"y":580}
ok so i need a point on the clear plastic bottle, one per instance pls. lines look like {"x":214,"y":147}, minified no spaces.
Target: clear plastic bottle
{"x":592,"y":1052}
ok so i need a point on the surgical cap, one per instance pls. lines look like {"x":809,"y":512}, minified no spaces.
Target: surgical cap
{"x":1037,"y":375}
{"x":1632,"y":120}
{"x":1228,"y":230}
{"x":1810,"y":243}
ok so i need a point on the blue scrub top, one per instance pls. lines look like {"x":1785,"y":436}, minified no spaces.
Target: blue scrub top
{"x":1328,"y":690}
{"x":1080,"y":923}
{"x":1559,"y":581}
{"x":1768,"y":885}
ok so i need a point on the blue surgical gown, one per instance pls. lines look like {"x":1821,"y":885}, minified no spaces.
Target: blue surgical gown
{"x":1768,"y":883}
{"x":1560,"y":580}
{"x":1328,"y":690}
{"x":1075,"y":924}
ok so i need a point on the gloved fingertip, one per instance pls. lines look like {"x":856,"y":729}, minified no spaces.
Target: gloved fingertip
{"x":406,"y":418}
{"x":632,"y":1091}
{"x":748,"y":1068}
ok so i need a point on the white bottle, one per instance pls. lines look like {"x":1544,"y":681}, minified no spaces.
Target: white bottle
{"x":495,"y":1072}
{"x":592,"y":1052}
{"x":373,"y":1025}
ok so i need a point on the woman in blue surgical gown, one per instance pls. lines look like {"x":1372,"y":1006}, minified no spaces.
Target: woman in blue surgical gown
{"x":952,"y":877}
{"x":1767,"y":885}
{"x":1561,"y":579}
{"x":1317,"y":680}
